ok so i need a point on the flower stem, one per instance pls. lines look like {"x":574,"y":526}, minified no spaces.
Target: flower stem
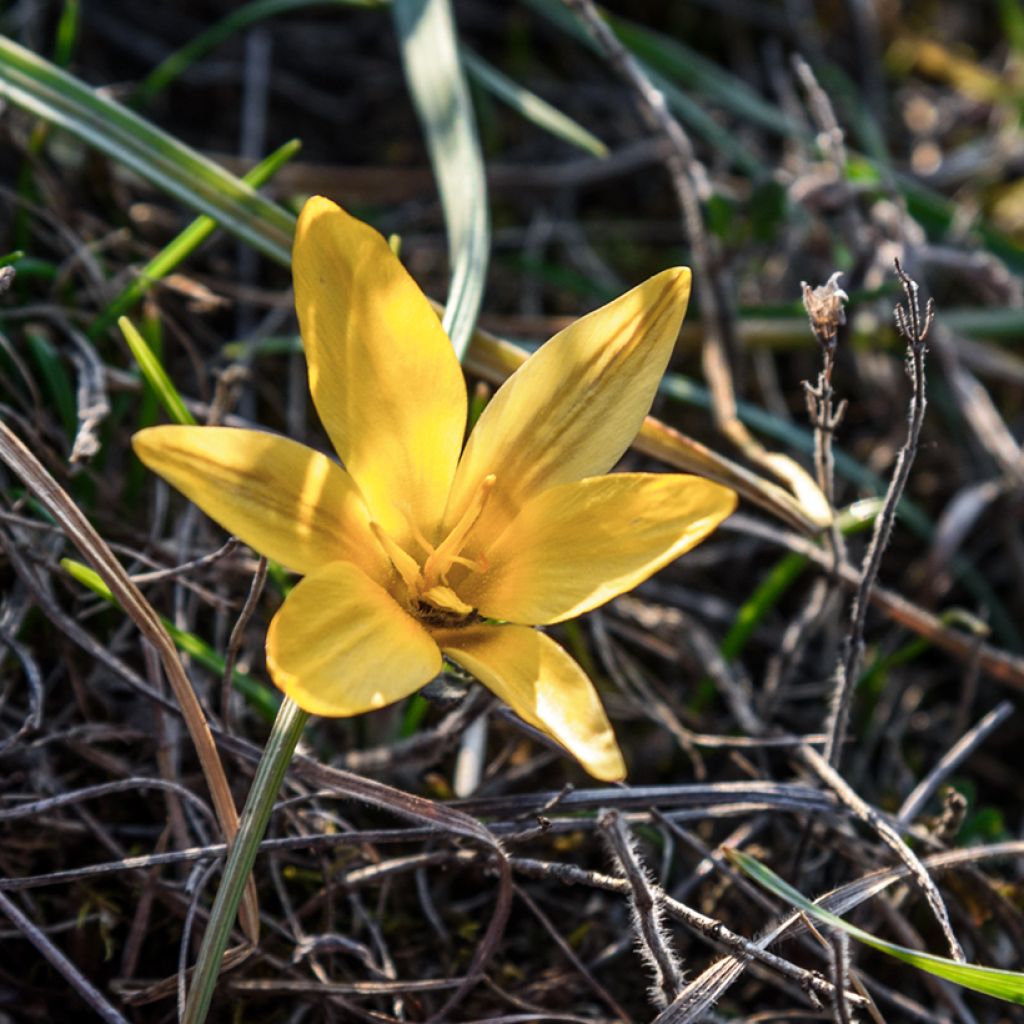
{"x":284,"y":737}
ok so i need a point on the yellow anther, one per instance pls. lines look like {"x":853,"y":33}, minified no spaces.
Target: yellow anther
{"x":445,"y":599}
{"x":474,"y":564}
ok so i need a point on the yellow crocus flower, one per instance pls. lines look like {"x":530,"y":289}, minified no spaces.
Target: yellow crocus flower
{"x":419,"y":546}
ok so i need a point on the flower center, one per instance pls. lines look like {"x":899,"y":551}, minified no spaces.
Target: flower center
{"x":428,"y":594}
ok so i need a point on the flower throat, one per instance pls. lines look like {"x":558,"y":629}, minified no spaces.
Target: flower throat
{"x":430,"y":597}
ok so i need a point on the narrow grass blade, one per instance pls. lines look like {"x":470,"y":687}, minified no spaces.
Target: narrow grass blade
{"x":990,"y":981}
{"x":261,"y":698}
{"x":178,"y":250}
{"x":67,"y":33}
{"x":237,"y":21}
{"x":155,"y":374}
{"x":530,"y":106}
{"x":426,"y":35}
{"x":40,"y":87}
{"x":277,"y":754}
{"x":56,"y":380}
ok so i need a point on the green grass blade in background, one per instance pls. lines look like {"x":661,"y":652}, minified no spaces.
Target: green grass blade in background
{"x":530,"y":106}
{"x":177,"y":251}
{"x":426,"y":35}
{"x":1011,"y":14}
{"x":767,"y":594}
{"x":40,"y":87}
{"x":155,"y":375}
{"x":238,"y":20}
{"x":1005,"y":985}
{"x":67,"y":33}
{"x":58,"y":385}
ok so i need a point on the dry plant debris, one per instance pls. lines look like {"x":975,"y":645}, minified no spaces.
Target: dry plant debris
{"x":837,"y":694}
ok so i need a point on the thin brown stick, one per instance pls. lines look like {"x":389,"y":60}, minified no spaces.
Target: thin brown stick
{"x":92,"y":546}
{"x":570,"y":954}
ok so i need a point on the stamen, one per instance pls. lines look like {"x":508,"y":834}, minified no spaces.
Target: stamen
{"x":406,"y":566}
{"x":417,"y":535}
{"x":448,"y":550}
{"x":414,"y":530}
{"x":475,"y":564}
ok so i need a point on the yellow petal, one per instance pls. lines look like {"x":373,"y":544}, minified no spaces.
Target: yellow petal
{"x":290,"y":503}
{"x":340,"y":645}
{"x":383,"y":375}
{"x":574,"y":406}
{"x":577,"y":545}
{"x":544,"y":686}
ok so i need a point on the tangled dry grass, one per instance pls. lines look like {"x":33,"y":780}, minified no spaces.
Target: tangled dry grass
{"x":846,"y":708}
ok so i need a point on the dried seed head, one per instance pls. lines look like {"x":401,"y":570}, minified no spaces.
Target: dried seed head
{"x":825,"y":311}
{"x":909,"y":320}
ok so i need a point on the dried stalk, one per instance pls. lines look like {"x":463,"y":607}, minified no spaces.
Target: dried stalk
{"x":913,"y":326}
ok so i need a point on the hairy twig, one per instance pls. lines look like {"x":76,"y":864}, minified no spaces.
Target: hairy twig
{"x":648,"y":911}
{"x":840,"y":942}
{"x":712,"y":930}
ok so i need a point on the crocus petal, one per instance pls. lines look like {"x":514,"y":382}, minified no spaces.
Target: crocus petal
{"x":577,"y":545}
{"x":285,"y":500}
{"x":544,"y":686}
{"x":382,"y":372}
{"x":340,"y":645}
{"x":573,"y":407}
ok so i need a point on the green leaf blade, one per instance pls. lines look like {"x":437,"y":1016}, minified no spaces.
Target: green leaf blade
{"x":426,"y":35}
{"x":990,"y":981}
